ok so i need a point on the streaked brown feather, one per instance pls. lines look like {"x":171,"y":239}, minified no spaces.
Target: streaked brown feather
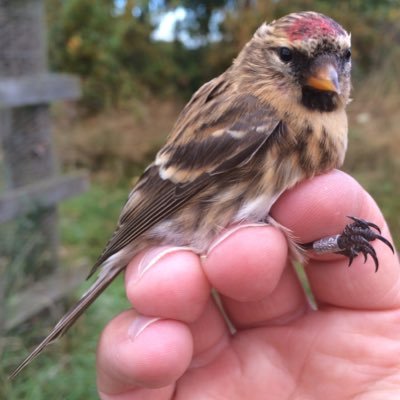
{"x":215,"y":155}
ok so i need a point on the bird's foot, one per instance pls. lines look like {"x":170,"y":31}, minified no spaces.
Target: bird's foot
{"x":354,"y":239}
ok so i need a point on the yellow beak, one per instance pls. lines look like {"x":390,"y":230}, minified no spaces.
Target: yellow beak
{"x":325,"y":78}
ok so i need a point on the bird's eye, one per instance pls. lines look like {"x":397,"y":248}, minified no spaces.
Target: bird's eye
{"x":347,"y":55}
{"x":285,"y":54}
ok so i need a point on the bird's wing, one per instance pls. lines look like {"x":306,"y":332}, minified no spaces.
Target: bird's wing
{"x":185,"y":167}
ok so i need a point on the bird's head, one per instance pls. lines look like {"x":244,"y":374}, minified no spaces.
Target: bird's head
{"x":302,"y":60}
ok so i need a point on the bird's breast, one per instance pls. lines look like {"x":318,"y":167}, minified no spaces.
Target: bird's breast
{"x":317,"y":142}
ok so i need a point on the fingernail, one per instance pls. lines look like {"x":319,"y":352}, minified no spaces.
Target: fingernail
{"x":229,"y":233}
{"x":139,"y":325}
{"x":153,"y":256}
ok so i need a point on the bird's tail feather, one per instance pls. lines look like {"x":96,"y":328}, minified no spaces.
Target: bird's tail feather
{"x":71,"y":316}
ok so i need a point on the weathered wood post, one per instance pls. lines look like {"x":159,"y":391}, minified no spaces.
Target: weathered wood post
{"x":33,"y":186}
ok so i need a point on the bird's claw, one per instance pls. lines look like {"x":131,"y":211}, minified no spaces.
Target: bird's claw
{"x":356,"y":238}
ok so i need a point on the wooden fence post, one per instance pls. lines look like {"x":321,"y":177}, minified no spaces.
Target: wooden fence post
{"x":32,"y":183}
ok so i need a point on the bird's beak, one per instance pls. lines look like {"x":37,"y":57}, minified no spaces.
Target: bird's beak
{"x":325,"y":78}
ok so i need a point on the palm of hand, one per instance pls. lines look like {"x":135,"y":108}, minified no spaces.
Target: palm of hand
{"x":329,"y":354}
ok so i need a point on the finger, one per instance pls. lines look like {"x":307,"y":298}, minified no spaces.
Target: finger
{"x":210,"y":336}
{"x":319,"y":207}
{"x":249,"y":268}
{"x":285,"y":303}
{"x":136,"y":352}
{"x":167,"y":282}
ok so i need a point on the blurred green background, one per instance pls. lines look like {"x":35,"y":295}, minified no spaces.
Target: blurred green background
{"x":134,"y":84}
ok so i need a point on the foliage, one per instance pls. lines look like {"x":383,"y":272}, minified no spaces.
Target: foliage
{"x":112,"y":49}
{"x":113,"y":53}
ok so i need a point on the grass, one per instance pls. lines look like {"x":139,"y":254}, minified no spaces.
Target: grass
{"x":87,"y":221}
{"x":66,"y":370}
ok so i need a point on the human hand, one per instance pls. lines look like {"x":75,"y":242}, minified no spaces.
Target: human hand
{"x":176,"y":345}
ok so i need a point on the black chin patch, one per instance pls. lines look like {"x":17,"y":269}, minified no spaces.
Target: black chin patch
{"x":319,"y":100}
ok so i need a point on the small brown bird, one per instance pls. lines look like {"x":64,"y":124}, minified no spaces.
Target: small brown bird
{"x":275,"y":117}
